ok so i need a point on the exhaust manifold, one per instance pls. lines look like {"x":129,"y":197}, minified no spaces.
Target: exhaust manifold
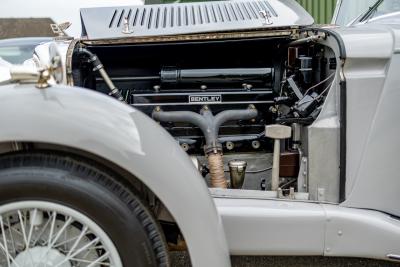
{"x":209,"y":125}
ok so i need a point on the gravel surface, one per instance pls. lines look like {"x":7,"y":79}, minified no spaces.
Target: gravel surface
{"x":180,"y":259}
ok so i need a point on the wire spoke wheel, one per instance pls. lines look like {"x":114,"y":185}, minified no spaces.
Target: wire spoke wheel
{"x":61,"y":210}
{"x":46,"y":234}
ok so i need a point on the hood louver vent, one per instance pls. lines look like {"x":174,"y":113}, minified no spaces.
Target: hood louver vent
{"x":156,"y":17}
{"x":169,"y":19}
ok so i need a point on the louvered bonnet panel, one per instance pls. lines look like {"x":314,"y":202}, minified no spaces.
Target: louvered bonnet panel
{"x":189,"y":18}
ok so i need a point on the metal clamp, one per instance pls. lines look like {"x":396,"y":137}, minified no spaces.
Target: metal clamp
{"x":267,"y":17}
{"x":126,"y":29}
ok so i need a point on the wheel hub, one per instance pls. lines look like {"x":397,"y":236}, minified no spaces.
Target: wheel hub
{"x":42,"y":257}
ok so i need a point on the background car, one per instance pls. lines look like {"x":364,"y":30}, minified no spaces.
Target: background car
{"x":17,"y":50}
{"x":348,"y":11}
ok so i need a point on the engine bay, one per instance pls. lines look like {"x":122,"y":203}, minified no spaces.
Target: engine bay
{"x":240,"y":108}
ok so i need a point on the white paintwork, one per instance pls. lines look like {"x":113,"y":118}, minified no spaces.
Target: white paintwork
{"x":373,"y":128}
{"x":98,"y":124}
{"x":59,"y":11}
{"x":372,"y":109}
{"x":283,"y":14}
{"x":5,"y":76}
{"x":352,"y":232}
{"x":274,"y":227}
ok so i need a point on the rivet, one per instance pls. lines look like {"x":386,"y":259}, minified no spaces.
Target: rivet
{"x":340,"y":233}
{"x":185,"y":147}
{"x":255,"y":144}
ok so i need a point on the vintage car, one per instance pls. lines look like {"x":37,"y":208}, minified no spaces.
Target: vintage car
{"x":227,"y":128}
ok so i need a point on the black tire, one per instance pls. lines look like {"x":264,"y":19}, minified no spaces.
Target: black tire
{"x":92,"y":190}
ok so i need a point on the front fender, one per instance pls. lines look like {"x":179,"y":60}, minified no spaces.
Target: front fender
{"x":98,"y":124}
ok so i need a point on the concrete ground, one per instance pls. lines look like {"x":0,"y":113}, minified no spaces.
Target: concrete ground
{"x":180,"y":259}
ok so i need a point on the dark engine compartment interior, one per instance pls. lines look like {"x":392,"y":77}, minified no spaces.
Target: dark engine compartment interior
{"x":137,"y":70}
{"x":285,"y":84}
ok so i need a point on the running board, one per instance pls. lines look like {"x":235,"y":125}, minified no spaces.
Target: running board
{"x":276,"y":227}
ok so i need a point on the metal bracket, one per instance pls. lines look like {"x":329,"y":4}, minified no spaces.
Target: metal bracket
{"x":295,"y":88}
{"x":302,"y":180}
{"x":44,"y":77}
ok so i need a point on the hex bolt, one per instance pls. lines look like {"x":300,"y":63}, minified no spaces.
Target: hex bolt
{"x":249,"y":87}
{"x":156,"y":88}
{"x":251,"y":106}
{"x":230,"y":145}
{"x":278,"y":133}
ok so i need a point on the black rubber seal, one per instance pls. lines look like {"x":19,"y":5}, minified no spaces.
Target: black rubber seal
{"x":343,"y":141}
